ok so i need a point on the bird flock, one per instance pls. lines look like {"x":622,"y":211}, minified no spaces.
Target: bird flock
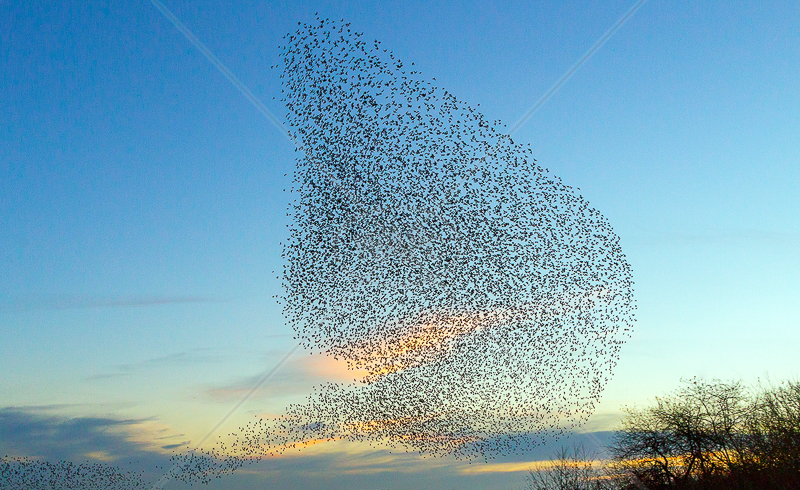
{"x":483,"y":301}
{"x":22,"y":473}
{"x":485,"y":298}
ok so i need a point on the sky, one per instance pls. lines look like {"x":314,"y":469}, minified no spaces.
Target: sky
{"x":142,"y":208}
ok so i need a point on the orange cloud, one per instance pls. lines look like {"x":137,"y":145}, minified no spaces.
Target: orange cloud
{"x":514,"y":467}
{"x":100,"y":456}
{"x":331,"y":369}
{"x":419,"y":341}
{"x":377,"y":425}
{"x":426,"y":338}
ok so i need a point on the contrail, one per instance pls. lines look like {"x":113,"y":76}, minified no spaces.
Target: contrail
{"x":222,"y":68}
{"x":167,"y":476}
{"x":274,"y":120}
{"x":575,"y":67}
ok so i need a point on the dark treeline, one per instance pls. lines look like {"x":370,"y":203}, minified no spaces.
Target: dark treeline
{"x":707,"y":435}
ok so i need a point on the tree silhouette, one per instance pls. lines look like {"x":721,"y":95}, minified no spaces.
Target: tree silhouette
{"x":713,"y":434}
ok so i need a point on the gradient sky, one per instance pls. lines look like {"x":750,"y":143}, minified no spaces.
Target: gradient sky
{"x":142,"y":207}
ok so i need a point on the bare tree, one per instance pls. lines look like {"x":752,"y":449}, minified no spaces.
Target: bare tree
{"x":572,"y":470}
{"x":774,"y":442}
{"x":713,"y":434}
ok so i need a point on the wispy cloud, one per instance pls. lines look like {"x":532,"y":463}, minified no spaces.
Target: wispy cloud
{"x":743,"y":237}
{"x":182,"y":358}
{"x":146,"y":444}
{"x":52,"y":442}
{"x":56,"y":409}
{"x":431,"y":336}
{"x":542,"y":456}
{"x":348,"y":463}
{"x":176,"y":445}
{"x":45,"y":408}
{"x":62,"y":302}
{"x":34,"y":433}
{"x":294,"y":378}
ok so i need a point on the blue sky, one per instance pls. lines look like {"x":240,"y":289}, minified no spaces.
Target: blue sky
{"x":142,"y":204}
